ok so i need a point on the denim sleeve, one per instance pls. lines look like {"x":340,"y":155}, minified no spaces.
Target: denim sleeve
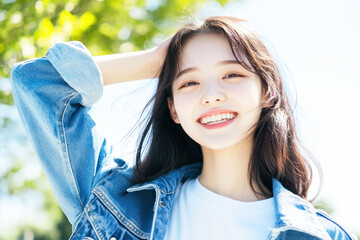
{"x":53,"y":95}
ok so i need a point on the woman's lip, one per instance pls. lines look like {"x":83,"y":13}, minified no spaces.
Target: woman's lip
{"x":215,"y":112}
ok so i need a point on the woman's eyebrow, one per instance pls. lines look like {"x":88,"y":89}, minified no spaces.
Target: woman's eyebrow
{"x":186,"y":70}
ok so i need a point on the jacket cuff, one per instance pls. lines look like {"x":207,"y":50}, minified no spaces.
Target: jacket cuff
{"x":75,"y":64}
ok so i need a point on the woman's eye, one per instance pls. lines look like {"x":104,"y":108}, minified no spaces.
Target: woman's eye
{"x":233,"y":75}
{"x":192,"y":83}
{"x":187,"y":84}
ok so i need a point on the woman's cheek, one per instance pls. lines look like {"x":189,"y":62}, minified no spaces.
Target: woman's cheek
{"x":247,"y":93}
{"x":182,"y":106}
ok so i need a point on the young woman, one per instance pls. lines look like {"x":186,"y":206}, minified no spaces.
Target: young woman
{"x":218,"y":158}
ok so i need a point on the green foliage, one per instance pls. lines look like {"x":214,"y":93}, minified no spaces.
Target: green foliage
{"x":6,"y":98}
{"x":324,"y":205}
{"x":28,"y":29}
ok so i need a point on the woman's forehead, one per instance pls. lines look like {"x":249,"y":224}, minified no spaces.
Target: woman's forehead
{"x":209,"y":50}
{"x":205,"y":48}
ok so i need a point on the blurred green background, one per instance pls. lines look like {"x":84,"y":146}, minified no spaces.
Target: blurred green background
{"x":27,"y":30}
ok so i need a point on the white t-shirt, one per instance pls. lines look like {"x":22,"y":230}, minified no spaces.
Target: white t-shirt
{"x":199,"y":213}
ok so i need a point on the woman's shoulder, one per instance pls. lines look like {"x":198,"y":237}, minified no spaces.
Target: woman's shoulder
{"x":335,"y":229}
{"x":292,"y":210}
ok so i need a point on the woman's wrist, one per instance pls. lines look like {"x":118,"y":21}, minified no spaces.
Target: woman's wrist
{"x":158,"y":54}
{"x":130,"y":66}
{"x":156,"y":59}
{"x":161,"y":50}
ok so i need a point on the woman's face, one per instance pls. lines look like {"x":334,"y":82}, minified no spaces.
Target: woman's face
{"x":212,"y":83}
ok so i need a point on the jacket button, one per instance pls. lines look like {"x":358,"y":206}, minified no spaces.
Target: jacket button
{"x":162,"y":203}
{"x":112,"y":238}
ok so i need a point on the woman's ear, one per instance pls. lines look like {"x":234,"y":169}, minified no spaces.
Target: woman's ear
{"x":173,"y":113}
{"x":266,"y":101}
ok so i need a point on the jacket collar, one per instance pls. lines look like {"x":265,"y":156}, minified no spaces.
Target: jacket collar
{"x":293,"y":214}
{"x":169,"y":182}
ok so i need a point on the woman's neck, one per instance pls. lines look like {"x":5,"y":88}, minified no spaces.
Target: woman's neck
{"x":225,"y":172}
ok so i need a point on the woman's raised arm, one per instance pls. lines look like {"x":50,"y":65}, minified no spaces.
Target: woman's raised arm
{"x":124,"y":67}
{"x":54,"y":95}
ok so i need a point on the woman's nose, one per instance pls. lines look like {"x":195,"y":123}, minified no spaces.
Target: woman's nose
{"x":212,"y":95}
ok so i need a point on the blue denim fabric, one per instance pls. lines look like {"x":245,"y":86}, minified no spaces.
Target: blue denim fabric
{"x":53,"y":95}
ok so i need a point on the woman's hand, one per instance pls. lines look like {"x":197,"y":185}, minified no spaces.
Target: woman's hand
{"x":161,"y":49}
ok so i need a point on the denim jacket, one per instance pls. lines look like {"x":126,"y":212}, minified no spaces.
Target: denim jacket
{"x":54,"y":95}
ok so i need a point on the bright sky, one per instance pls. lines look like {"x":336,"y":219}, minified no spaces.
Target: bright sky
{"x":317,"y":43}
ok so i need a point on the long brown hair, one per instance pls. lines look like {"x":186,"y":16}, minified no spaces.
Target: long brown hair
{"x":276,"y":149}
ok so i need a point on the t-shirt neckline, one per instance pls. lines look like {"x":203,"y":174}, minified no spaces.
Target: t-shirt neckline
{"x":227,"y":204}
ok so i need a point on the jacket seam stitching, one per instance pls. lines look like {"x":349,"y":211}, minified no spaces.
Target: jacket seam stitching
{"x":78,"y":229}
{"x":84,"y":221}
{"x":78,"y":216}
{"x":64,"y":141}
{"x":107,"y":203}
{"x":171,"y":192}
{"x":93,"y":223}
{"x":117,"y":213}
{"x":161,"y":177}
{"x":155,"y":213}
{"x":104,"y":179}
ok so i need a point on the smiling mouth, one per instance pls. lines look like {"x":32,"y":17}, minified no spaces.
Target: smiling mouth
{"x":216,"y":119}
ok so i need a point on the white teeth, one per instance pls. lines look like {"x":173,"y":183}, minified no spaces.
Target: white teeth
{"x":217,"y":118}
